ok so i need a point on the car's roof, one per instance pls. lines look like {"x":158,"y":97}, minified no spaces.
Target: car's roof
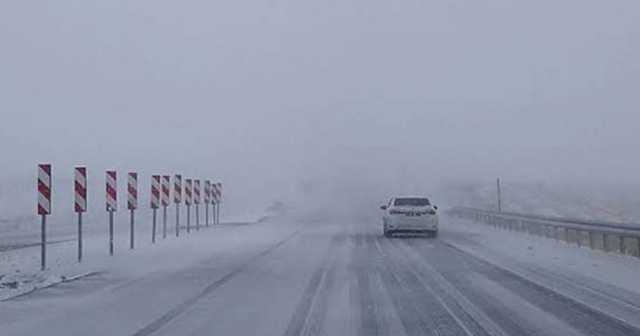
{"x":410,"y":196}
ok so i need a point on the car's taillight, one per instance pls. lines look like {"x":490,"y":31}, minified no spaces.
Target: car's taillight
{"x":429,"y":212}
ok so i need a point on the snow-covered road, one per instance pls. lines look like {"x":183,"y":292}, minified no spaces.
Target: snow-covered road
{"x":332,"y":276}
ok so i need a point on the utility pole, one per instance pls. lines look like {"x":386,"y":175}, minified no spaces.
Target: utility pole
{"x":499,"y":197}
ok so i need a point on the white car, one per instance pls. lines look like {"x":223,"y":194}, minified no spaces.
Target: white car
{"x":410,"y":215}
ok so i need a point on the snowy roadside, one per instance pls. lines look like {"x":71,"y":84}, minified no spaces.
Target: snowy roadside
{"x":604,"y":281}
{"x":246,"y":219}
{"x":20,"y":268}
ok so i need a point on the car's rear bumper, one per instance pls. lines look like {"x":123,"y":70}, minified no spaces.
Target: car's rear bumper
{"x":414,"y":231}
{"x":413,"y":225}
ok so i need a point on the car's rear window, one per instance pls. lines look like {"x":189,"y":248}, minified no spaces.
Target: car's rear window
{"x":411,"y":202}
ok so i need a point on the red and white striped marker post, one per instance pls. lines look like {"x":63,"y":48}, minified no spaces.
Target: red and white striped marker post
{"x":196,"y":201}
{"x":112,"y":203}
{"x":80,"y":202}
{"x":177,"y":198}
{"x":155,"y":203}
{"x":211,"y":201}
{"x":44,"y":207}
{"x":207,"y":201}
{"x":188,"y":191}
{"x":219,"y":203}
{"x":132,"y":203}
{"x":166,"y":192}
{"x":214,"y":200}
{"x":218,"y":199}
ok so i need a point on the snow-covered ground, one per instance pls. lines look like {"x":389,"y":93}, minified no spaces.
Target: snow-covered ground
{"x":559,"y":256}
{"x":20,"y":267}
{"x":598,"y":279}
{"x":327,"y":273}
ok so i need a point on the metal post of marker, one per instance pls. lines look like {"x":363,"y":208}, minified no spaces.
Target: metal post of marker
{"x":188,"y":219}
{"x":132,"y":229}
{"x":206,"y":215}
{"x":499,"y":197}
{"x":79,"y":236}
{"x":219,"y":198}
{"x":213,"y":213}
{"x":164,"y":222}
{"x":177,"y":220}
{"x":197,"y":217}
{"x":110,"y":232}
{"x":153,"y":235}
{"x":43,"y":252}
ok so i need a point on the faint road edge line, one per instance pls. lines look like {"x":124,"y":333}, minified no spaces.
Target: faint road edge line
{"x":181,"y":308}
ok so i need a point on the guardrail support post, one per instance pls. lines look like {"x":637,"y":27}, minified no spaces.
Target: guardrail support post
{"x":585,"y":239}
{"x":578,"y":240}
{"x":573,"y":236}
{"x":631,"y":246}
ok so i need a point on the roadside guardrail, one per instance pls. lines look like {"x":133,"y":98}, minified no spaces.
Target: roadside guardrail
{"x":598,"y":235}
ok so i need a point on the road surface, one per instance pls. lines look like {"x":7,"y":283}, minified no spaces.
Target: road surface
{"x":321,"y":277}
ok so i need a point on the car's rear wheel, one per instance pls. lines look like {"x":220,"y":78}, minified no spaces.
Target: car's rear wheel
{"x":387,"y":233}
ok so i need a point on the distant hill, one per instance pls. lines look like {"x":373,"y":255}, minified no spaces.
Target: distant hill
{"x":605,"y":202}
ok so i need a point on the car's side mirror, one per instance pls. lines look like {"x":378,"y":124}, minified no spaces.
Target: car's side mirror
{"x":384,"y":207}
{"x":435,"y":207}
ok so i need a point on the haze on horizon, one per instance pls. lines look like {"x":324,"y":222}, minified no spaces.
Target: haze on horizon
{"x":383,"y":96}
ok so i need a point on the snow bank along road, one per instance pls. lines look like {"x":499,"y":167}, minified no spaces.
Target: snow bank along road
{"x":325,"y":276}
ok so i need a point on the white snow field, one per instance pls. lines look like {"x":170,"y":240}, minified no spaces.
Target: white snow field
{"x":324,"y":273}
{"x":20,"y":254}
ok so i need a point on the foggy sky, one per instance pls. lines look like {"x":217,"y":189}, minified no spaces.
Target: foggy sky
{"x":266,"y":95}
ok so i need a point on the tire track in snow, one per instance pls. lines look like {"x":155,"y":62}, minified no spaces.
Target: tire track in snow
{"x":181,"y":308}
{"x":420,"y":311}
{"x":310,"y":311}
{"x":371,"y":323}
{"x":506,"y":318}
{"x":579,"y":315}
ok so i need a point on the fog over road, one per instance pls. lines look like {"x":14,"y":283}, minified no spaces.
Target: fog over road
{"x":320,"y":276}
{"x":333,"y":106}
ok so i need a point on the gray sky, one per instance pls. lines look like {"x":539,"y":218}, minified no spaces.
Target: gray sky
{"x":265,"y":94}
